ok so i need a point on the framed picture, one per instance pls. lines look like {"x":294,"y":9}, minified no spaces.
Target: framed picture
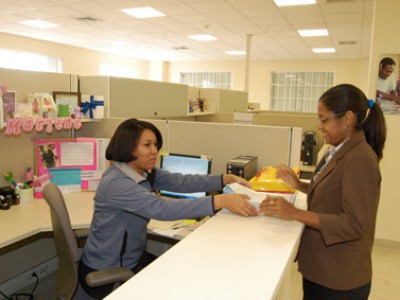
{"x":66,"y":102}
{"x":42,"y":105}
{"x":9,"y":104}
{"x":388,"y":84}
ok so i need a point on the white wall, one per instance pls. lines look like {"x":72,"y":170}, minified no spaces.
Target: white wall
{"x":347,"y":71}
{"x":86,"y":62}
{"x":76,"y":60}
{"x":384,"y":41}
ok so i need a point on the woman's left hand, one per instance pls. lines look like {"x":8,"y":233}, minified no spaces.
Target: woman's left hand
{"x":278,"y":207}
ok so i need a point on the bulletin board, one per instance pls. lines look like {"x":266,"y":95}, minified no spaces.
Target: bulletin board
{"x":69,"y":163}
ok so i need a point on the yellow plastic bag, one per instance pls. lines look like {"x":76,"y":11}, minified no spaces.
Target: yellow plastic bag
{"x":267,"y":181}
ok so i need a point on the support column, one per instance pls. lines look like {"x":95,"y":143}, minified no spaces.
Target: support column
{"x":248,"y":55}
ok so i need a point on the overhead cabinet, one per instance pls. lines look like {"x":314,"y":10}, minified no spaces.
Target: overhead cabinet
{"x":127,"y":98}
{"x":225,"y":100}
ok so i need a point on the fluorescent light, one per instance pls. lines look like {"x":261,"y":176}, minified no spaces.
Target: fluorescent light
{"x":293,"y":2}
{"x":39,"y":24}
{"x":235,"y":52}
{"x":143,"y":12}
{"x":202,"y":37}
{"x":313,"y":32}
{"x":324,"y":50}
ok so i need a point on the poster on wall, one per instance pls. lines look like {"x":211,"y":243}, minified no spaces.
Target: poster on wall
{"x":9,"y":100}
{"x":388,"y":84}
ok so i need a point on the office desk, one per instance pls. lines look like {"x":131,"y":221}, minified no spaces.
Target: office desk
{"x":229,"y":257}
{"x":28,"y":219}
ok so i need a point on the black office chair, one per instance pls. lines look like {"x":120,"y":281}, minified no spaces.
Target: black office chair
{"x":68,"y":253}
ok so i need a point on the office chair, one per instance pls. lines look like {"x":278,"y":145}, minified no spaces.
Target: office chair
{"x":68,"y":253}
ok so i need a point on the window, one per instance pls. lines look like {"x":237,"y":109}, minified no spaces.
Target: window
{"x":222,"y":80}
{"x":11,"y":59}
{"x":299,"y":91}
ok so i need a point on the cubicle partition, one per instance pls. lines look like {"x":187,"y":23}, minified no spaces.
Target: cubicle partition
{"x":271,"y":144}
{"x":29,"y":82}
{"x":105,"y":128}
{"x":128,"y":97}
{"x":16,"y":152}
{"x":307,"y":121}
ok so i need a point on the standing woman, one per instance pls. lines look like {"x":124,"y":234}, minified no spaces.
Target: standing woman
{"x":125,"y":202}
{"x":334,"y":254}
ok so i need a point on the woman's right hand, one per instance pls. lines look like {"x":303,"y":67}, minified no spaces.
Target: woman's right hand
{"x":236,"y":203}
{"x":288,"y":176}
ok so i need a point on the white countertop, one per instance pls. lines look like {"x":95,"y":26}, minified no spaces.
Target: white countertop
{"x":229,"y":257}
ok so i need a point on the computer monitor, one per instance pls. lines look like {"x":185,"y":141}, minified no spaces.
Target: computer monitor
{"x":185,"y":164}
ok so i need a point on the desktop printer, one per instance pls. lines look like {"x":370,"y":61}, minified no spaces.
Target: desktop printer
{"x":243,"y":166}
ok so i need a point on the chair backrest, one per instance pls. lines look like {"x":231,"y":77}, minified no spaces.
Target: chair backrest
{"x":65,"y":241}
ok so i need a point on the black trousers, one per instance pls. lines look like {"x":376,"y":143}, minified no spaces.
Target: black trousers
{"x":103,"y":291}
{"x":314,"y":291}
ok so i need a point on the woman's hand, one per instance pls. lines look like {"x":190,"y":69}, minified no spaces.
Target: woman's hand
{"x":278,"y":207}
{"x":288,"y":176}
{"x":236,"y":203}
{"x":230,"y":178}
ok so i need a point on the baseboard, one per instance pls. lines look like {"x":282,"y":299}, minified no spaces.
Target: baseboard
{"x":25,"y":279}
{"x":387,"y":243}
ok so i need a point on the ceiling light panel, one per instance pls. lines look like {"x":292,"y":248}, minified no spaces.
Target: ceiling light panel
{"x":39,"y":24}
{"x":313,"y":32}
{"x":324,"y":50}
{"x":294,"y":2}
{"x":235,"y":52}
{"x":143,"y":12}
{"x":202,"y":37}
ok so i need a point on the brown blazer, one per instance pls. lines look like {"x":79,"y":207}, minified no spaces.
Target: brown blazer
{"x":346,"y":196}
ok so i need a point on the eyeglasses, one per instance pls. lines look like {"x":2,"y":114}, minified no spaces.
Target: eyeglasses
{"x":324,"y":120}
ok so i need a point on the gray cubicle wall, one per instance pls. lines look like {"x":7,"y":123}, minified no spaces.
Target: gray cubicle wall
{"x":128,"y":97}
{"x":29,"y":82}
{"x":16,"y":152}
{"x":304,"y":120}
{"x":272,"y":145}
{"x":146,"y":99}
{"x":105,"y":129}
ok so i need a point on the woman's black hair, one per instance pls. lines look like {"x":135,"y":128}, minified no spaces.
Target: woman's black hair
{"x":344,"y":97}
{"x":126,"y":138}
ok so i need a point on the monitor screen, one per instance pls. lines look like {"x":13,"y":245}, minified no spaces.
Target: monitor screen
{"x":185,"y":164}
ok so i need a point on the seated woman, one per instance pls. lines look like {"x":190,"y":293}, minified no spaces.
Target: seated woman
{"x":125,"y":201}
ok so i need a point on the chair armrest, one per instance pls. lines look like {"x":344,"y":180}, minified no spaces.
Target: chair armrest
{"x":112,"y":275}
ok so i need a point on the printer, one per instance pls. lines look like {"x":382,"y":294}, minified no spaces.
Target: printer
{"x":243,"y":166}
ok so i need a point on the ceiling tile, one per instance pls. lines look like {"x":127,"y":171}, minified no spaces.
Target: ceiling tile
{"x":274,"y":29}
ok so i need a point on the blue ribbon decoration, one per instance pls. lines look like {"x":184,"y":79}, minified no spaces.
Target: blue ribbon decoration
{"x":371,"y":103}
{"x":89,"y":106}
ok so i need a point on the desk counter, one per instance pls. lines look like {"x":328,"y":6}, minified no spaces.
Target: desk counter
{"x":229,"y":257}
{"x":27,"y":219}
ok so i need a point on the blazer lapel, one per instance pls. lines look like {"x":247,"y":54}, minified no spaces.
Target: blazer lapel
{"x":355,"y":139}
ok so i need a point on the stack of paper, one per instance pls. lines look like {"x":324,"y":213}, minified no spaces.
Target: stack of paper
{"x":255,"y":197}
{"x":166,"y":228}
